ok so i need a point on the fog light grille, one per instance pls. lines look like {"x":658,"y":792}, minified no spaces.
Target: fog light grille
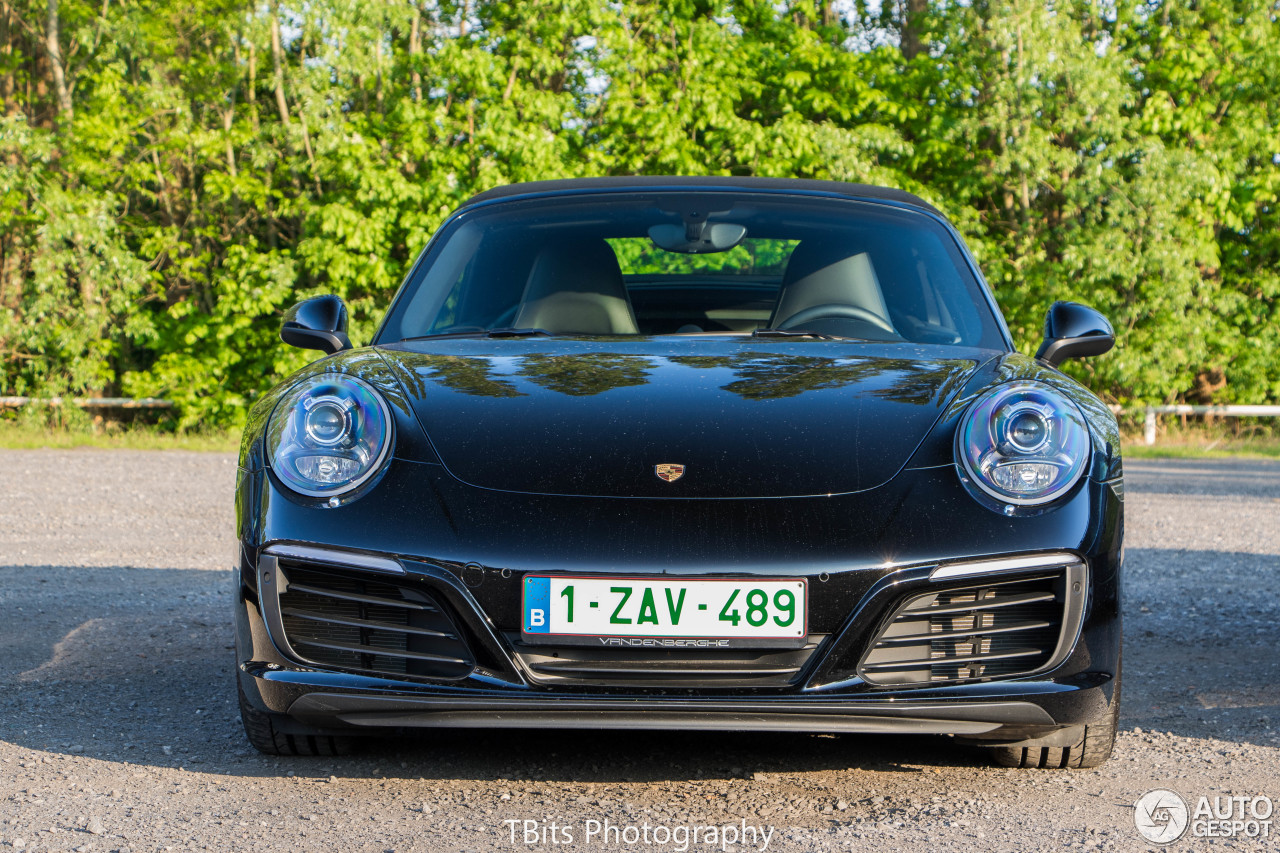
{"x":352,"y":622}
{"x":999,"y":629}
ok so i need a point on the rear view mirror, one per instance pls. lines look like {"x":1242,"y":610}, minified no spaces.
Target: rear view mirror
{"x":696,"y":238}
{"x":1072,"y":330}
{"x":317,"y":323}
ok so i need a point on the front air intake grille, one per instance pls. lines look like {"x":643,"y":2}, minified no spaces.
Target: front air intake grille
{"x":656,"y":667}
{"x":999,"y":629}
{"x":351,"y":622}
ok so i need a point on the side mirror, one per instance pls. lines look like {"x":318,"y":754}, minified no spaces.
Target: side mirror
{"x":317,"y":323}
{"x":1072,"y":330}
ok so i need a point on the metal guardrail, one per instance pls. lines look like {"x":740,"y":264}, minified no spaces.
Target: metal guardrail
{"x":87,"y":402}
{"x":1149,"y":421}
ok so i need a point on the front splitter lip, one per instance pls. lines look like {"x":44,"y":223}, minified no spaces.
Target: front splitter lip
{"x":328,"y":709}
{"x":313,"y":699}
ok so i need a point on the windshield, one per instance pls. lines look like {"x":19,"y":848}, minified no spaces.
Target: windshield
{"x":681,"y":263}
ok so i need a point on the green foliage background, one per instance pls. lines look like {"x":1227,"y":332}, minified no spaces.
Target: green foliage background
{"x":174,"y":175}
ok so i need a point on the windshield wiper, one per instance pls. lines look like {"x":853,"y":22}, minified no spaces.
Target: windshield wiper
{"x":480,"y":331}
{"x":793,"y":333}
{"x":468,"y":332}
{"x":518,"y":333}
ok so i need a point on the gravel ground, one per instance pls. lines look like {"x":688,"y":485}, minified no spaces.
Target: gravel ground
{"x":118,"y":727}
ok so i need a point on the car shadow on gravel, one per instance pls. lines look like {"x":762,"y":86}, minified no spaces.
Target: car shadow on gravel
{"x":591,"y":756}
{"x":135,"y":665}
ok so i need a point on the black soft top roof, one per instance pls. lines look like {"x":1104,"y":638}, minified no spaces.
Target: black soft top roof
{"x":715,"y":182}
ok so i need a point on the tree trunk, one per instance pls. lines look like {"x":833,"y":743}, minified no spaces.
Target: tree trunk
{"x":415,"y":47}
{"x":912,"y":40}
{"x":277,"y":57}
{"x":7,"y":84}
{"x":382,"y":107}
{"x":57,"y":73}
{"x":228,"y":117}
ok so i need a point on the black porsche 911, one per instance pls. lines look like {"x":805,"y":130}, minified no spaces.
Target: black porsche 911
{"x":655,"y":453}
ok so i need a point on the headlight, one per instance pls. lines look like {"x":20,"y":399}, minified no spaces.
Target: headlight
{"x":328,"y":435}
{"x":1023,"y":443}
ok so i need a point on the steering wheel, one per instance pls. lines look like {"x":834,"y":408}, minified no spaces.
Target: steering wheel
{"x":836,"y":310}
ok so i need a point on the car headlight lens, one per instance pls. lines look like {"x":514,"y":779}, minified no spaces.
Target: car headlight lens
{"x":1023,"y":443}
{"x":328,"y":435}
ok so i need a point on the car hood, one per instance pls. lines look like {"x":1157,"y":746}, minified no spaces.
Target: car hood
{"x":749,"y":418}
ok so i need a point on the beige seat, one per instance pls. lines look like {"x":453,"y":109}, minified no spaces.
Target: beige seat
{"x":822,"y":274}
{"x":577,"y":289}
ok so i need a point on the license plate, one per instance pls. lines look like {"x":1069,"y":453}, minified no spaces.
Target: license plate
{"x":665,"y":613}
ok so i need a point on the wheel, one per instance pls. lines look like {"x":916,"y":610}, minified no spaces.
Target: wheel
{"x":1091,"y":749}
{"x":266,"y":737}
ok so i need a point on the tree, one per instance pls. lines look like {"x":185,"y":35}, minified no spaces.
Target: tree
{"x":173,"y":176}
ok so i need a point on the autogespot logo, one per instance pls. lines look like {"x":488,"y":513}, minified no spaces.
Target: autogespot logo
{"x":1161,"y":816}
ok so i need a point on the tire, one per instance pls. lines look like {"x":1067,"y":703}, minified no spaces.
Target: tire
{"x":266,"y":737}
{"x":1091,"y":750}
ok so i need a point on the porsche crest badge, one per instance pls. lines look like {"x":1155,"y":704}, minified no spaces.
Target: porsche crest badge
{"x":669,"y":471}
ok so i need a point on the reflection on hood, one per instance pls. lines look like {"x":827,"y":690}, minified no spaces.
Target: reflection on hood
{"x":571,"y":417}
{"x":756,"y":375}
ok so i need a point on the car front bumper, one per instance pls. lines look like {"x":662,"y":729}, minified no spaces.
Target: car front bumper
{"x":860,"y":553}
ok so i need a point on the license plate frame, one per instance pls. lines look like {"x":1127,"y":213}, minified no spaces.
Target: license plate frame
{"x":545,"y":592}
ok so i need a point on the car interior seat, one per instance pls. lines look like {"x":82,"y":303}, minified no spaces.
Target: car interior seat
{"x":577,"y":289}
{"x":830,"y":281}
